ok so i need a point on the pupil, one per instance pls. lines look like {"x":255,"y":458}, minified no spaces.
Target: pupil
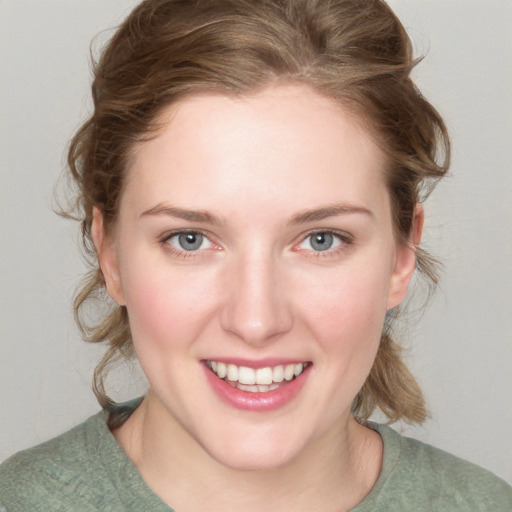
{"x":190,"y":241}
{"x":322,"y":241}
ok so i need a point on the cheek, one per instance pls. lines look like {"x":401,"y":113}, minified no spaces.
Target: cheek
{"x":345,"y":317}
{"x":166,"y":309}
{"x":347,"y":313}
{"x":351,"y":296}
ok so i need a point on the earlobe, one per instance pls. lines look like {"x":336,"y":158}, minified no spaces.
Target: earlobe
{"x":107,"y":257}
{"x":406,"y":261}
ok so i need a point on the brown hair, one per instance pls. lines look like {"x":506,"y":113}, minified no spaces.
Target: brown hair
{"x":354,"y":51}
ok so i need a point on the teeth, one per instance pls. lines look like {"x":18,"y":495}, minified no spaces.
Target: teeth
{"x":246,"y":375}
{"x":278,"y":374}
{"x":289,"y":371}
{"x":255,"y":389}
{"x":264,"y":375}
{"x":221,"y":370}
{"x":254,"y":380}
{"x":232,"y":372}
{"x":252,"y":389}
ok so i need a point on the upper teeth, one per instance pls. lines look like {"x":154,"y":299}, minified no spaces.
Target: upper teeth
{"x":262,"y":376}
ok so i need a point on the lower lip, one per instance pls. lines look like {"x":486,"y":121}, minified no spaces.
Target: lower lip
{"x":258,"y":402}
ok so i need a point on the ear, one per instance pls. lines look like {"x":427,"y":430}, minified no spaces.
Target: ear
{"x":405,"y":261}
{"x":107,"y":257}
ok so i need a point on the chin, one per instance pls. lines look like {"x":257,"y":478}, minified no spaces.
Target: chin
{"x":258,"y":452}
{"x":254,"y":460}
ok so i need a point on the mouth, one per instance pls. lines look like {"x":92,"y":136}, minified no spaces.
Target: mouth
{"x":256,"y":380}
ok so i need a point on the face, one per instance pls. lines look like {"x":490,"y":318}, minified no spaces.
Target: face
{"x":254,"y":252}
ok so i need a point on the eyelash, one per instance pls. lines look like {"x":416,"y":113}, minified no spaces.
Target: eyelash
{"x":182,"y":253}
{"x":345,"y":240}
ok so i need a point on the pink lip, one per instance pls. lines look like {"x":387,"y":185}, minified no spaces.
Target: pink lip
{"x":257,"y":402}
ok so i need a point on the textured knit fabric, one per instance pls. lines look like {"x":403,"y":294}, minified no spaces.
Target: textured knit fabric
{"x":86,"y":470}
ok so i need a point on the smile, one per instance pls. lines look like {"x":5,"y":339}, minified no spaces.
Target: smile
{"x":256,"y":380}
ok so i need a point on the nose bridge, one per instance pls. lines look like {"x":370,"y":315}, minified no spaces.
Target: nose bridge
{"x":256,"y":308}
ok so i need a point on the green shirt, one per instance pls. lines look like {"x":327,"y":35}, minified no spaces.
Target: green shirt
{"x":86,"y":470}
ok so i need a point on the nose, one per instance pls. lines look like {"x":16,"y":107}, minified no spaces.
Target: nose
{"x":256,"y":308}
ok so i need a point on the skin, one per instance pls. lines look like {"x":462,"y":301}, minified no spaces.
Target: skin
{"x":256,"y":288}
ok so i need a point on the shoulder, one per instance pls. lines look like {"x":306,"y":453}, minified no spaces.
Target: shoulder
{"x":430,"y":475}
{"x":60,"y":474}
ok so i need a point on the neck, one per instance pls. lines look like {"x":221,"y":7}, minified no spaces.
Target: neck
{"x":334,"y":473}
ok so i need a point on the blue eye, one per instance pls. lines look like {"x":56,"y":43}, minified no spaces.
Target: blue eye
{"x":189,"y":241}
{"x":321,"y":241}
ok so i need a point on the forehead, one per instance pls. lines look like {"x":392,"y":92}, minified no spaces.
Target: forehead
{"x":283,"y":140}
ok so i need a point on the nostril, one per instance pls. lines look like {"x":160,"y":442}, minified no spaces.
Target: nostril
{"x":258,"y":324}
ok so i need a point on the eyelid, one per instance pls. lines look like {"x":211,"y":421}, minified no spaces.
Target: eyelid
{"x":346,"y":239}
{"x":182,"y":231}
{"x":165,"y":241}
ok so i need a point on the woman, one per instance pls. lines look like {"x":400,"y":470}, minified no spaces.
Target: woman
{"x":251,"y":183}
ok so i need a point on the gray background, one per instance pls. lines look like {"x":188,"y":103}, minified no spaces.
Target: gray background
{"x":460,"y":350}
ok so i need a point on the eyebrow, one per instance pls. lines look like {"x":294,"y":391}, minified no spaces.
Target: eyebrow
{"x":328,"y":211}
{"x":302,"y":217}
{"x":201,"y":216}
